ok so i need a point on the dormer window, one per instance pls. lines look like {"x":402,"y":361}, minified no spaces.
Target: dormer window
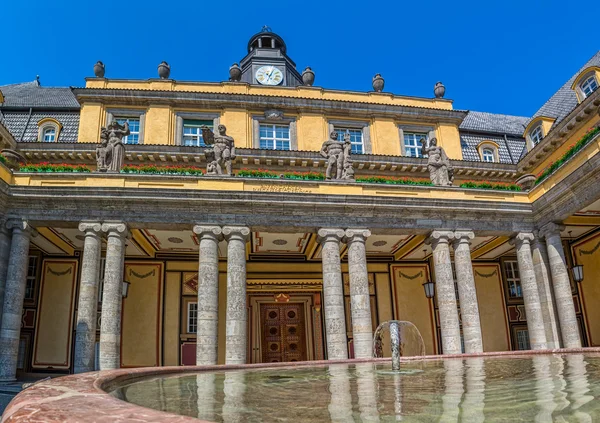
{"x":536,"y":135}
{"x":487,"y":154}
{"x":49,"y":134}
{"x":488,"y":151}
{"x":589,"y":85}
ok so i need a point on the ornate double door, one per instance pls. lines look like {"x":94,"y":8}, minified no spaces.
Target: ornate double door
{"x":283,"y":334}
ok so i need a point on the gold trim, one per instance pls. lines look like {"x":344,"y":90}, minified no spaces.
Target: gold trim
{"x":489,"y":247}
{"x":409,"y":246}
{"x":284,"y":281}
{"x":60,"y":243}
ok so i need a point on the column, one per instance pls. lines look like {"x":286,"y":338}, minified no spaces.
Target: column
{"x":208,"y":294}
{"x":563,"y":295}
{"x":467,"y":293}
{"x":541,"y":268}
{"x":87,"y":309}
{"x":531,"y":298}
{"x":14,"y":294}
{"x":237,"y":314}
{"x":360,"y":302}
{"x":112,"y":296}
{"x":333,"y":294}
{"x":444,"y":290}
{"x":4,"y":253}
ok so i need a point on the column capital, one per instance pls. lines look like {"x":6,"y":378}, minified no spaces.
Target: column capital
{"x":353,"y":235}
{"x":462,"y":237}
{"x":90,"y":228}
{"x":521,"y":238}
{"x":551,"y":229}
{"x":209,"y":230}
{"x":438,"y":236}
{"x":116,"y":229}
{"x":21,"y":225}
{"x":327,"y":234}
{"x":242,"y":232}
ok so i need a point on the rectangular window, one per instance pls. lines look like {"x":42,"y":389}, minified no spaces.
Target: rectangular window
{"x":412,"y":146}
{"x":192,"y":318}
{"x":513,"y":279}
{"x":274,"y":137}
{"x":192,"y":132}
{"x":134,"y":129}
{"x":522,"y":339}
{"x":356,"y":138}
{"x":31,"y":278}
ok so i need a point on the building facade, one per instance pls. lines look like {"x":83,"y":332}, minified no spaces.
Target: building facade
{"x":158,"y":265}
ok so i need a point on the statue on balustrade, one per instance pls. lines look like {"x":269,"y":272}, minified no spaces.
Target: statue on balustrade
{"x":110,"y":154}
{"x":440,"y":169}
{"x":222,"y":153}
{"x":339,"y":163}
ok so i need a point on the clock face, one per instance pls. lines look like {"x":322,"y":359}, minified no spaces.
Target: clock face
{"x":269,"y":75}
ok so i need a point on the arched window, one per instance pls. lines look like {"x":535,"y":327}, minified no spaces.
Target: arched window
{"x":49,"y":134}
{"x":536,"y":134}
{"x":588,"y":85}
{"x":487,"y":154}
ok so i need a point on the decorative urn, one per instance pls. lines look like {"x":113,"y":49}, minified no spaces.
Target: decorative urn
{"x":164,"y":70}
{"x":526,"y":181}
{"x":308,"y":77}
{"x":99,"y":69}
{"x":235,"y":73}
{"x":13,"y":158}
{"x":378,"y":83}
{"x":439,"y":90}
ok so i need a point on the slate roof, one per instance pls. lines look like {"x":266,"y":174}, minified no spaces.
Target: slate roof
{"x":565,"y":99}
{"x":496,"y":123}
{"x":32,"y":94}
{"x":509,"y":149}
{"x":16,"y":121}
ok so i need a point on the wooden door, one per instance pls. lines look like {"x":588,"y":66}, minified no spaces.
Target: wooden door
{"x":283,"y":335}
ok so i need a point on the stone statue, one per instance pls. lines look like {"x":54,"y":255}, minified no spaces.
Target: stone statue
{"x":110,"y":154}
{"x":441,"y":171}
{"x":333,"y":151}
{"x":222,"y":153}
{"x":348,"y":169}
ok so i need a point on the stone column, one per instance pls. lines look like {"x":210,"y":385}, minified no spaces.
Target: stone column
{"x":541,"y":268}
{"x":467,"y":293}
{"x":444,"y":290}
{"x":208,"y":294}
{"x":360,"y":302}
{"x":14,"y":294}
{"x":333,"y":294}
{"x":112,"y":296}
{"x":563,"y":295}
{"x":531,"y":297}
{"x":236,"y":337}
{"x":87,"y":309}
{"x":4,"y":253}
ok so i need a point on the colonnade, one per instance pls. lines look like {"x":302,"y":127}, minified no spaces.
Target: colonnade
{"x":543,"y":271}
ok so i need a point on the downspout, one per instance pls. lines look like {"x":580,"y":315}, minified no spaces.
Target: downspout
{"x":26,"y":125}
{"x":512,"y":160}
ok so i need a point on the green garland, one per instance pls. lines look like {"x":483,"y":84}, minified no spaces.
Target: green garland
{"x":393,"y":180}
{"x":53,"y":168}
{"x":491,"y":185}
{"x":2,"y":158}
{"x":163,"y":170}
{"x":569,"y":153}
{"x":261,"y":173}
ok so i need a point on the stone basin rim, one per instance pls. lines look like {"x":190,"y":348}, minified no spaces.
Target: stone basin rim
{"x":85,"y":397}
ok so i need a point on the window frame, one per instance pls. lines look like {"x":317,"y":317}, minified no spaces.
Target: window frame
{"x":46,"y":124}
{"x":429,"y":131}
{"x":198,"y":134}
{"x":274,"y":117}
{"x":114,"y":114}
{"x":590,"y":76}
{"x":535,"y":129}
{"x":364,"y":127}
{"x":488,"y":152}
{"x":514,"y":264}
{"x":494,"y":149}
{"x":45,"y":131}
{"x":189,"y":317}
{"x":31,"y":280}
{"x":275,"y":139}
{"x":181,"y":116}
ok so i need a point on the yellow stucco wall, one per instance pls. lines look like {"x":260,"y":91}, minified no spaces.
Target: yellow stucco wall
{"x":587,"y":253}
{"x":237,"y":122}
{"x":492,"y":311}
{"x":141,"y":325}
{"x":312,"y":132}
{"x":385,"y":137}
{"x":171,"y":328}
{"x":411,"y":303}
{"x":448,"y":138}
{"x":92,"y":117}
{"x":54,"y":328}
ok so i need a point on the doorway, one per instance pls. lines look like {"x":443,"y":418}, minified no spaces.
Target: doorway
{"x":283,"y":332}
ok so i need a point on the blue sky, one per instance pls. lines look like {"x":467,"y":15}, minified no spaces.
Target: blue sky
{"x":501,"y":57}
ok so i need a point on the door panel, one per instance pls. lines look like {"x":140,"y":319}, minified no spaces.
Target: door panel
{"x":283,"y":335}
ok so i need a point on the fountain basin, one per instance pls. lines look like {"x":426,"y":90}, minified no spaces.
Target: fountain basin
{"x":468,"y":382}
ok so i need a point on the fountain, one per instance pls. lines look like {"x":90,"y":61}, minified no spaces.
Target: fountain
{"x":405,"y":340}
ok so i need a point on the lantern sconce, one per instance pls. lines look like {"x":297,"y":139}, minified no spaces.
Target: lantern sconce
{"x":577,"y":272}
{"x":126,"y":288}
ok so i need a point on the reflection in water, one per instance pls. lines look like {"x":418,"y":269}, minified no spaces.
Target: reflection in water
{"x":453,"y":389}
{"x":367,"y":392}
{"x":340,"y":405}
{"x":540,"y":388}
{"x":234,"y":388}
{"x":473,"y":403}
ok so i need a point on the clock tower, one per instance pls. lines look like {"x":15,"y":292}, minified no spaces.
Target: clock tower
{"x":267,"y":62}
